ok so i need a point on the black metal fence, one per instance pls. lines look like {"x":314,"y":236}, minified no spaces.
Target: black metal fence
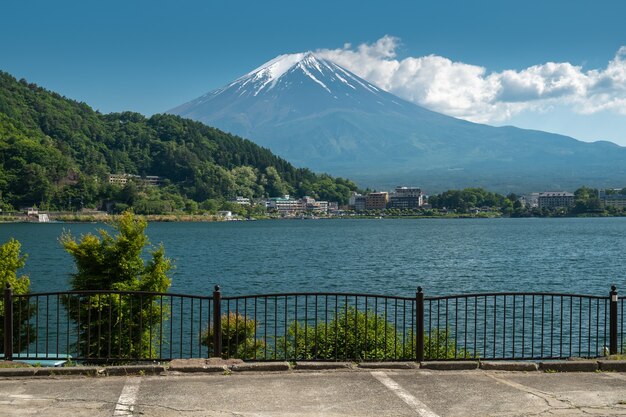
{"x":140,"y":326}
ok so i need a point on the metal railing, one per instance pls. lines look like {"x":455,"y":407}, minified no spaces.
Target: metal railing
{"x":99,"y":326}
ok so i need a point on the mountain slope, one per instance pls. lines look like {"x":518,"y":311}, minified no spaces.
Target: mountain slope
{"x":315,"y":113}
{"x":56,"y":152}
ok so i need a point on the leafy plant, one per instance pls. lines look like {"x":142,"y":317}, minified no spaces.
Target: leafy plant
{"x":237,"y":337}
{"x":11,"y":260}
{"x":118,"y":324}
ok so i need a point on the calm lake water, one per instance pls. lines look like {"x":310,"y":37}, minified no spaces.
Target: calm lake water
{"x":445,"y":256}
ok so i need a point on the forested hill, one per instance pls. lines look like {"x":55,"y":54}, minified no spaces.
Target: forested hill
{"x":57,"y":153}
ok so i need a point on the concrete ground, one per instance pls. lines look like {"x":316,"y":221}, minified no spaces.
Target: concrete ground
{"x":423,"y":393}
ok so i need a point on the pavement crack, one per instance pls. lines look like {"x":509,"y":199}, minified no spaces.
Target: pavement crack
{"x":552,"y":400}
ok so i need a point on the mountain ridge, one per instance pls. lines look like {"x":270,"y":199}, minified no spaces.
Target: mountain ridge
{"x":315,"y":113}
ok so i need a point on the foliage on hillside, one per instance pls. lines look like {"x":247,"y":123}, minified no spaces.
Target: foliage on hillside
{"x":57,"y":153}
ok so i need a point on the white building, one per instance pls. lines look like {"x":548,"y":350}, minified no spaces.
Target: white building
{"x":555,"y":199}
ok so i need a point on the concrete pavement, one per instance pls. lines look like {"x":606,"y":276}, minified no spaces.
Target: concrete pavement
{"x":376,"y":392}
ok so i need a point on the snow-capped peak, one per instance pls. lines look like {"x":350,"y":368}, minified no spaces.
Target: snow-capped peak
{"x":265,"y":77}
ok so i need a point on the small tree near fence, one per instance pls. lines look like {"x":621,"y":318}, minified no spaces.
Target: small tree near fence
{"x":11,"y":260}
{"x":117,"y":325}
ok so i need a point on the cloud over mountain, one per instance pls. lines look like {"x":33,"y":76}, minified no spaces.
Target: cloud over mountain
{"x":472,"y":92}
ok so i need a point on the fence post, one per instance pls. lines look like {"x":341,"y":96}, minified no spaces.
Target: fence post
{"x":217,"y":322}
{"x":8,"y":323}
{"x":613,"y":322}
{"x":419,"y":324}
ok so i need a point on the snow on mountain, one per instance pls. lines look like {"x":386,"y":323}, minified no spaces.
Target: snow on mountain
{"x":317,"y":114}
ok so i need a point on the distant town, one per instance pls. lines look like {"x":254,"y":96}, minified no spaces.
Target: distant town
{"x":403,"y":201}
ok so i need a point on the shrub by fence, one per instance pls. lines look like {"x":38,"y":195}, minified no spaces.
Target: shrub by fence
{"x":136,"y":326}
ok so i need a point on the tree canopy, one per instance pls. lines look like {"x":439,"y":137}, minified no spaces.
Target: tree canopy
{"x":57,"y":153}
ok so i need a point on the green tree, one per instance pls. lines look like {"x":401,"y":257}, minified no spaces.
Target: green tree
{"x":237,"y":337}
{"x":11,"y":260}
{"x":114,"y":263}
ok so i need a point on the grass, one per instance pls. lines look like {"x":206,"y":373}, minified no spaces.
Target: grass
{"x":10,"y":364}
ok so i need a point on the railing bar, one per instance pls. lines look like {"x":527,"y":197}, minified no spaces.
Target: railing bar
{"x":326,"y":317}
{"x":622,"y":325}
{"x":475,"y":326}
{"x":172,"y":329}
{"x":182,"y":315}
{"x":245,"y":325}
{"x":286,"y":329}
{"x":504,"y":328}
{"x":580,"y":325}
{"x":438,"y":329}
{"x":306,"y":325}
{"x":589,"y":332}
{"x":236,"y":328}
{"x":551,"y":325}
{"x":356,"y":319}
{"x":543,"y":322}
{"x":430,"y":317}
{"x":275,"y":326}
{"x":256,"y":322}
{"x":296,"y":328}
{"x":597,"y":326}
{"x":130,"y":328}
{"x":19,"y":301}
{"x":561,"y":329}
{"x":403,"y":330}
{"x":385,"y":353}
{"x":190,"y":329}
{"x":571,"y":323}
{"x":345,"y":352}
{"x":495,"y":321}
{"x":99,"y":326}
{"x":160,"y":327}
{"x":199,"y":328}
{"x":523,"y":325}
{"x":58,"y":325}
{"x":465,"y":331}
{"x":47,"y":323}
{"x":315,"y":328}
{"x":413,"y":321}
{"x":456,"y":323}
{"x":336,"y":318}
{"x":78,"y":342}
{"x":532,"y":346}
{"x":606,"y":304}
{"x":513,"y":338}
{"x":366,"y":328}
{"x":265,"y":327}
{"x":485,"y":329}
{"x":36,"y":326}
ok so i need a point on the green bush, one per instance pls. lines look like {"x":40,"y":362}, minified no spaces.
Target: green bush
{"x":440,"y":345}
{"x":11,"y":260}
{"x":121,"y":324}
{"x":237,"y":337}
{"x":351,"y":335}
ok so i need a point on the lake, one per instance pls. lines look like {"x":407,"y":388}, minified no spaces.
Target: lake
{"x":393,"y":257}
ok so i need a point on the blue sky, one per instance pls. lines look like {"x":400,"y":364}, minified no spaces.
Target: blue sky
{"x":488,"y":60}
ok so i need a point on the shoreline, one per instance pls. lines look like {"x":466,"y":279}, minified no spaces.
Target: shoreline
{"x":202,"y":218}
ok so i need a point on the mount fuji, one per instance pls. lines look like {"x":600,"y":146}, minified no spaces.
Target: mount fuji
{"x":315,"y":113}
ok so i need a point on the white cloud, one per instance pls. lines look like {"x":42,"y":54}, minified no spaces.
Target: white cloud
{"x":471,"y":92}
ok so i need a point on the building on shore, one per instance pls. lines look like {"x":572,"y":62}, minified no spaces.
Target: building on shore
{"x":377,"y":200}
{"x":288,"y":206}
{"x":242,"y":201}
{"x":406,"y":198}
{"x":555,"y":199}
{"x":530,"y":200}
{"x":122,"y":179}
{"x":612,"y":198}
